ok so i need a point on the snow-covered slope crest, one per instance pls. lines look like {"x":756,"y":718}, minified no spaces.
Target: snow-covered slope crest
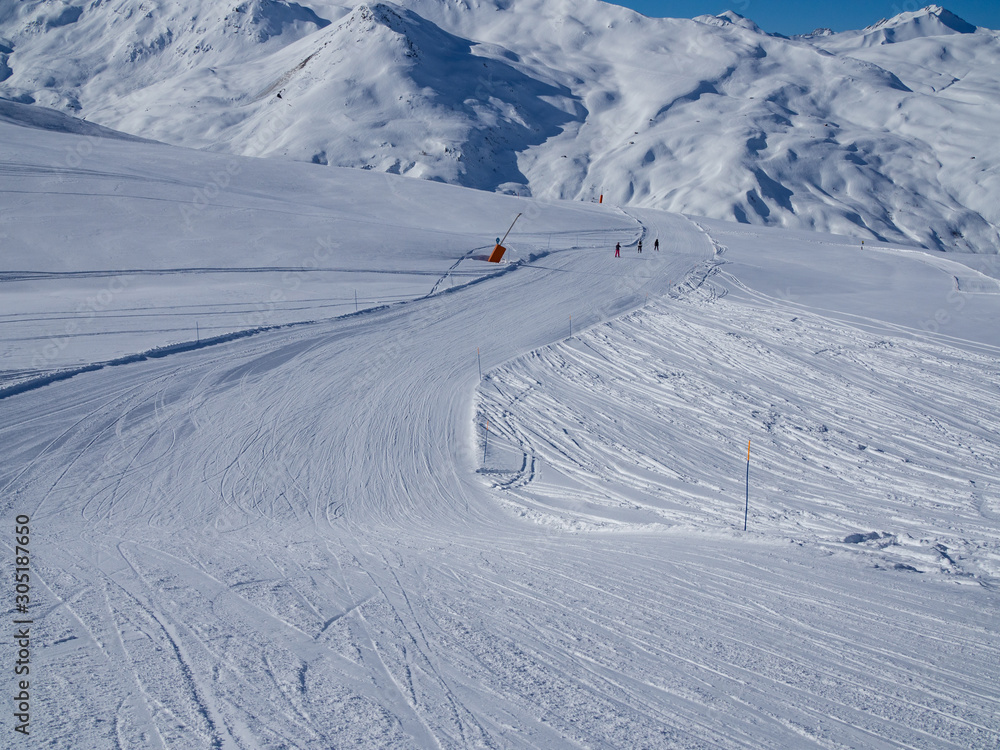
{"x":930,"y":21}
{"x":729,"y":17}
{"x":846,"y":133}
{"x":40,"y":118}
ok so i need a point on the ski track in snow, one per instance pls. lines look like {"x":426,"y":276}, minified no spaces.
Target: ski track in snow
{"x":660,"y":397}
{"x":284,"y":541}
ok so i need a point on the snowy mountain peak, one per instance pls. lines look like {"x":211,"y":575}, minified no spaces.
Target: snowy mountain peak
{"x":387,"y":31}
{"x":930,"y":21}
{"x":264,"y":19}
{"x":367,"y":16}
{"x":730,"y":18}
{"x":373,"y":23}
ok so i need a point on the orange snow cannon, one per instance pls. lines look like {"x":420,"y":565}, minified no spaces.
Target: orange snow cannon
{"x":499,"y":249}
{"x":497,"y":254}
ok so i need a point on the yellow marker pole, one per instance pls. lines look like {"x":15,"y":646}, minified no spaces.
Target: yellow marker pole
{"x":746,"y":509}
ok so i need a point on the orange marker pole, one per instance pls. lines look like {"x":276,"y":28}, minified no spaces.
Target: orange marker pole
{"x":746,"y":509}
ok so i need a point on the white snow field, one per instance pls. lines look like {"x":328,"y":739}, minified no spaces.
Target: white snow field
{"x":300,"y":539}
{"x":886,"y":133}
{"x":113,"y":247}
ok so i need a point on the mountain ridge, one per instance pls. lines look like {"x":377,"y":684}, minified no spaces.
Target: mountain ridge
{"x":851,"y":132}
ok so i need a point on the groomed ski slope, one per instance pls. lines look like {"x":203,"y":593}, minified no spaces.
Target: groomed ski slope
{"x":292,"y":539}
{"x":112,"y":247}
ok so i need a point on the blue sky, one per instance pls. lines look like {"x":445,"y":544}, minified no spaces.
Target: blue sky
{"x":802,"y":16}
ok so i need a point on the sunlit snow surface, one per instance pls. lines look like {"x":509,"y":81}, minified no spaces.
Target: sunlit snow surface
{"x":301,"y":539}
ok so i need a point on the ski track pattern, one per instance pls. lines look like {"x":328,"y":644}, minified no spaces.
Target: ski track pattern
{"x":851,"y":431}
{"x":283,"y":542}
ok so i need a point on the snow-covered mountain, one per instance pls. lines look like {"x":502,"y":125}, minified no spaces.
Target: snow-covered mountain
{"x":886,"y":132}
{"x":931,"y":21}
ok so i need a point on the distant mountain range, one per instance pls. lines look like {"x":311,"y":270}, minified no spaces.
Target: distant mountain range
{"x":886,"y":132}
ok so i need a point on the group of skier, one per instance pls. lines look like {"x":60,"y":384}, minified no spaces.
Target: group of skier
{"x":618,"y":247}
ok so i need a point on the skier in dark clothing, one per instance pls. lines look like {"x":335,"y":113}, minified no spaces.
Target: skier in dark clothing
{"x":656,"y":244}
{"x":618,"y":250}
{"x":640,"y":246}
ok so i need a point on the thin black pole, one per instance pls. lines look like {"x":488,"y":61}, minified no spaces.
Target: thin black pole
{"x":355,"y":300}
{"x":487,"y":441}
{"x":480,"y":361}
{"x":746,"y":509}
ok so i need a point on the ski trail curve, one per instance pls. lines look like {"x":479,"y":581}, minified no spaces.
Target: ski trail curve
{"x":313,"y":558}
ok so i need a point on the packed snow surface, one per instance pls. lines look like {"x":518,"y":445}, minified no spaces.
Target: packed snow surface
{"x":886,"y":133}
{"x":321,"y":528}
